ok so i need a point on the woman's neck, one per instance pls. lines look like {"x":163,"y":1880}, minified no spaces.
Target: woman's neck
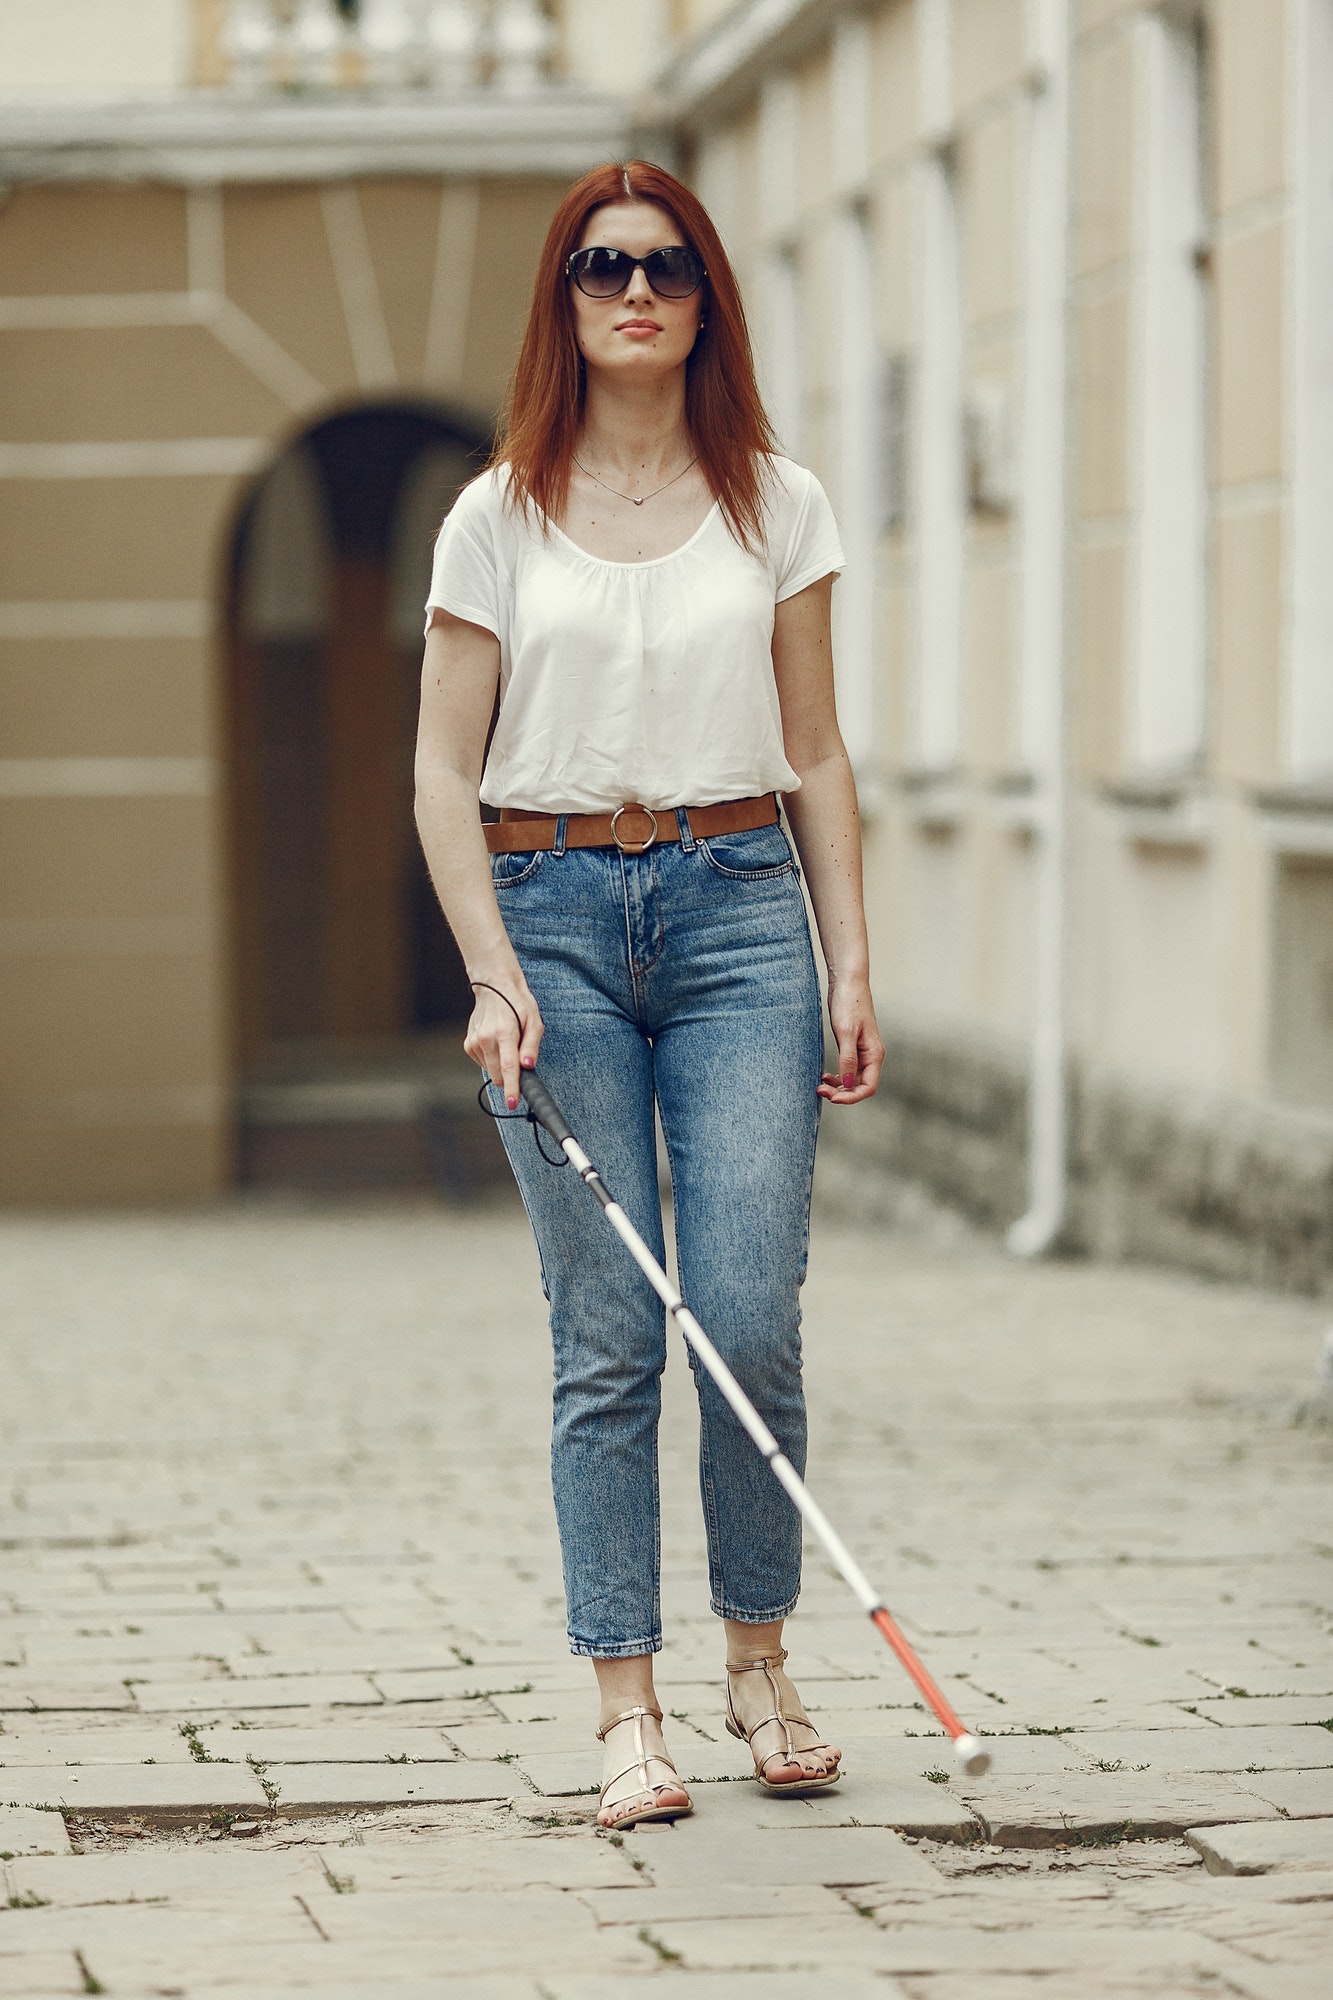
{"x":635,"y":428}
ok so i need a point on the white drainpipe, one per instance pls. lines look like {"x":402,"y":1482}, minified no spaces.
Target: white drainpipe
{"x":1044,"y":719}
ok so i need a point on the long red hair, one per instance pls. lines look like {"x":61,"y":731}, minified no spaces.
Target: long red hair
{"x":543,"y":410}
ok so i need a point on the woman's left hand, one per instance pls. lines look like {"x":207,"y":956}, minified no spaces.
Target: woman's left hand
{"x":860,"y":1050}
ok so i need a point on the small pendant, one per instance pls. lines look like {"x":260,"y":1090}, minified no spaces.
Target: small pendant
{"x":638,"y":503}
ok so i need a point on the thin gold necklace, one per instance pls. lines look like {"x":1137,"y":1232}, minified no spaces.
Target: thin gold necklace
{"x":636,"y":498}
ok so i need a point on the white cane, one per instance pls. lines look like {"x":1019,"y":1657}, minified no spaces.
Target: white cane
{"x":970,"y":1753}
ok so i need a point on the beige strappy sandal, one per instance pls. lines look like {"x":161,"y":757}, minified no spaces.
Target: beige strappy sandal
{"x":799,"y":1788}
{"x":642,"y":1759}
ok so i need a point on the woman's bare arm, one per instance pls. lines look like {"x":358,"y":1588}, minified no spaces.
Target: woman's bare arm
{"x":827,"y":827}
{"x":459,"y":677}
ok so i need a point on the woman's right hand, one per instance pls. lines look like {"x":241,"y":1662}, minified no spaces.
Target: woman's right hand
{"x":493,"y":1038}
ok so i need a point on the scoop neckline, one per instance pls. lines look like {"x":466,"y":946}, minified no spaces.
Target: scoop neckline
{"x":646,"y":562}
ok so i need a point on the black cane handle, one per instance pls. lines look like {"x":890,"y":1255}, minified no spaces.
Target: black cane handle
{"x":544,"y":1107}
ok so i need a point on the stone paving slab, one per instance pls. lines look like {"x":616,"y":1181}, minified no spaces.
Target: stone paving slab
{"x":695,"y":1856}
{"x":158,"y":1641}
{"x":723,"y":1902}
{"x":32,"y":1975}
{"x":26,"y":1830}
{"x":1269,"y":1845}
{"x":480,"y":1682}
{"x":489,"y":1862}
{"x":1059,"y":1985}
{"x":490,"y":1739}
{"x":328,"y":1743}
{"x":114,"y":1791}
{"x":829,"y":1946}
{"x":1079,"y":1532}
{"x":22,"y":1748}
{"x":1182,"y":1750}
{"x":295,"y":1691}
{"x":370,"y":1654}
{"x":1286,"y":1982}
{"x":1048,"y":1811}
{"x":1271,"y":1683}
{"x":910,"y":1750}
{"x":134,"y":1938}
{"x":382,"y":1957}
{"x":852,"y":1984}
{"x":325,"y":1787}
{"x":1298,"y":1710}
{"x":1294,"y":1794}
{"x":926,"y":1949}
{"x":1265,"y":1847}
{"x":151,"y":1872}
{"x":500,"y":1986}
{"x":29,"y":1696}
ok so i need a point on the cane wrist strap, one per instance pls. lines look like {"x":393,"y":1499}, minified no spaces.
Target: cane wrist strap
{"x":474,"y":983}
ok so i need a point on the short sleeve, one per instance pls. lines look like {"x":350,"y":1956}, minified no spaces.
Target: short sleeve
{"x":465,"y":573}
{"x":813,"y":548}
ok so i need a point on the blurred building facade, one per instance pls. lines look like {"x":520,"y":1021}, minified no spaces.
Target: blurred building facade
{"x":1043,"y":290}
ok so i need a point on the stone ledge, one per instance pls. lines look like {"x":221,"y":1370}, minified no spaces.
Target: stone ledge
{"x":1220,"y":1186}
{"x":205,"y":140}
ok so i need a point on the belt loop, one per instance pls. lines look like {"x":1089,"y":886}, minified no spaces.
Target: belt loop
{"x":687,"y":840}
{"x":561,"y":828}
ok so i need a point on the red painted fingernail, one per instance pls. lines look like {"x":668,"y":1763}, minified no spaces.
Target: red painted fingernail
{"x":848,"y":1082}
{"x":512,"y":1102}
{"x":529,"y":1062}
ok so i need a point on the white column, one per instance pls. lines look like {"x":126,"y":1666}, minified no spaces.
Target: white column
{"x":717,"y":181}
{"x":941,"y":500}
{"x":779,"y":340}
{"x":854,"y":598}
{"x":857,"y":352}
{"x":781,"y":346}
{"x":1307,"y":735}
{"x":1043,"y":729}
{"x":939,"y":472}
{"x":1168,"y":615}
{"x":778,"y":142}
{"x":1044,"y":415}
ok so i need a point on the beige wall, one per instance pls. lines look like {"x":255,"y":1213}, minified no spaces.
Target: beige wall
{"x":67,"y":51}
{"x":1172,"y":953}
{"x":157,"y":347}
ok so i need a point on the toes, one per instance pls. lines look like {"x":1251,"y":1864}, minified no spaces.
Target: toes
{"x":804,"y":1766}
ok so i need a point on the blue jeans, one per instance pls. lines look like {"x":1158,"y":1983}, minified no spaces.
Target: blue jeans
{"x":682,"y":977}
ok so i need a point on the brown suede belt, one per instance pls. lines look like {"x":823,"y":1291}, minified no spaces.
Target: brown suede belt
{"x":631,"y":828}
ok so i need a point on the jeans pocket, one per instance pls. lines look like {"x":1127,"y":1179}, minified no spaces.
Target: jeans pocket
{"x":508,"y":870}
{"x":759,"y":855}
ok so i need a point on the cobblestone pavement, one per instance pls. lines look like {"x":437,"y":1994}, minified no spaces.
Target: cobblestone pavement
{"x":285,"y":1697}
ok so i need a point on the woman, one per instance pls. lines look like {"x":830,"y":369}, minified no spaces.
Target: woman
{"x":648,"y":585}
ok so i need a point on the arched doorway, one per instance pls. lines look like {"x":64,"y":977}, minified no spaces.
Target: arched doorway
{"x":347,"y":974}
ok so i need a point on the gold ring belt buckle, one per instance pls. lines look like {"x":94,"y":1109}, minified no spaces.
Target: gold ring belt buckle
{"x":648,"y":813}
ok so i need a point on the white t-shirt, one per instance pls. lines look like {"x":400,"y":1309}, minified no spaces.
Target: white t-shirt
{"x":645,"y":681}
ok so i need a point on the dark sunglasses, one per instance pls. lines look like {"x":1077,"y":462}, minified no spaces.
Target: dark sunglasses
{"x":604,"y":274}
